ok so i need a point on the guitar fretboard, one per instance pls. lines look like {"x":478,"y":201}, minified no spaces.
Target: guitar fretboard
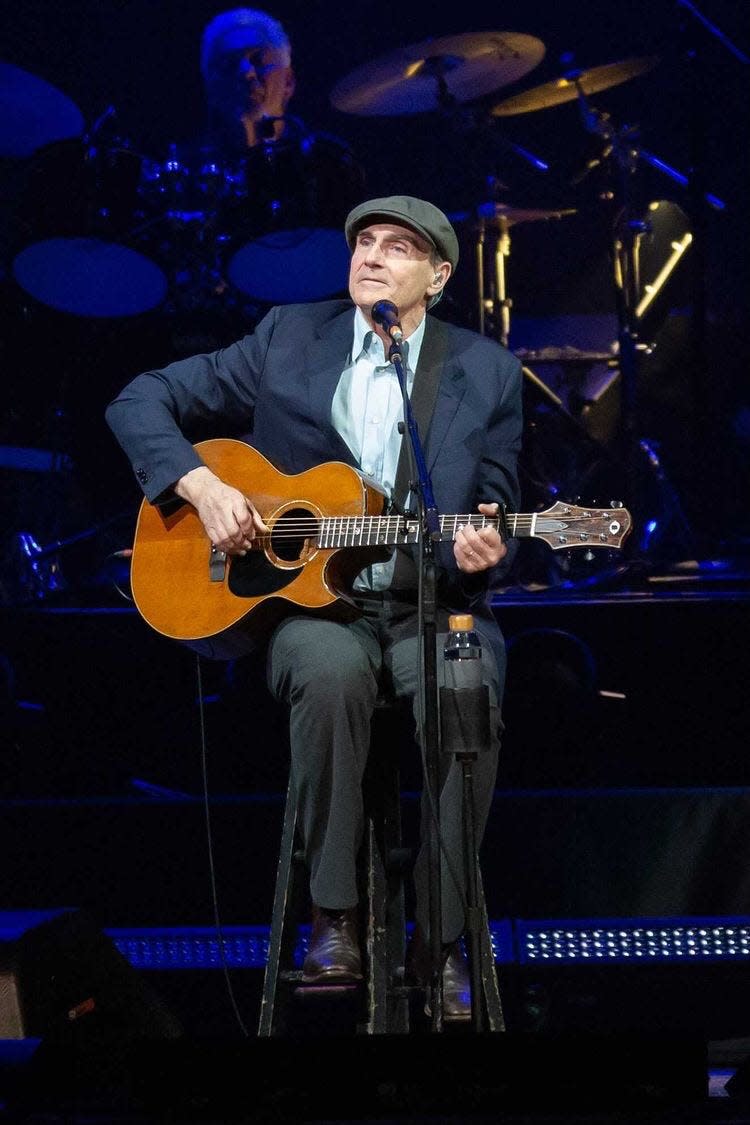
{"x":386,"y":531}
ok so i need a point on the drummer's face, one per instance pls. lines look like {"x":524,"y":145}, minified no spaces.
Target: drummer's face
{"x":391,"y":262}
{"x":252,"y":81}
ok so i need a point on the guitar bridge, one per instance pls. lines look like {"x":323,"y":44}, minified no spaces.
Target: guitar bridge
{"x":217,"y":565}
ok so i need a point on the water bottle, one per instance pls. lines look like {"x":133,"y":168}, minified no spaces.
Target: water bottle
{"x":464,"y":701}
{"x":463,"y":653}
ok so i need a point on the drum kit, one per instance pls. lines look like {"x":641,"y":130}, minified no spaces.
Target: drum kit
{"x":97,"y":229}
{"x":102,"y":232}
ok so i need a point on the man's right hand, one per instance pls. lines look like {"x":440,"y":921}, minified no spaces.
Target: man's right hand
{"x":229,"y":517}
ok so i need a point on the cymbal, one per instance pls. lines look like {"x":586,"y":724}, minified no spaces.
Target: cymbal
{"x":435,"y":72}
{"x":565,"y":89}
{"x":504,"y":212}
{"x":33,"y":113}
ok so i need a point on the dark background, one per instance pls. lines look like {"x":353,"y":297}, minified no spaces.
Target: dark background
{"x":623,"y":782}
{"x":142,"y":60}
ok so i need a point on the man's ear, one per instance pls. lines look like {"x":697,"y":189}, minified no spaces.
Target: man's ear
{"x":442,"y":273}
{"x":290,"y":86}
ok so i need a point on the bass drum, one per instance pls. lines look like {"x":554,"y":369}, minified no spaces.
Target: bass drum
{"x":77,"y":232}
{"x":283,"y":225}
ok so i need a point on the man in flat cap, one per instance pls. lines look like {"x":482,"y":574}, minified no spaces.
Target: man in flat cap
{"x":313,"y":384}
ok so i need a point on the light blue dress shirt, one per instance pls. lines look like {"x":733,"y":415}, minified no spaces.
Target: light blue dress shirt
{"x":366,"y":411}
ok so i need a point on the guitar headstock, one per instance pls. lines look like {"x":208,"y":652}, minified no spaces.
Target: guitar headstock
{"x":564,"y":526}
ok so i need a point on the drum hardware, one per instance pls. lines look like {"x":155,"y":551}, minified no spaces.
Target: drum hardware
{"x":565,"y":354}
{"x":265,"y":225}
{"x":36,"y":571}
{"x":73,"y":205}
{"x":75,"y":247}
{"x":560,"y":459}
{"x":282,"y":229}
{"x":629,"y":230}
{"x":621,"y":152}
{"x":33,"y":113}
{"x":587,"y":382}
{"x":437,"y":73}
{"x":491,"y":224}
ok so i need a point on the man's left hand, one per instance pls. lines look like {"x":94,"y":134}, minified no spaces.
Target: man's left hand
{"x":477,"y":549}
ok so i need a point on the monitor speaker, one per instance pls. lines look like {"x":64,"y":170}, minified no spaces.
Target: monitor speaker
{"x":64,"y":982}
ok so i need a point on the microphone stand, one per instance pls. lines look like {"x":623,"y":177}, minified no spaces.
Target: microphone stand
{"x":429,"y":522}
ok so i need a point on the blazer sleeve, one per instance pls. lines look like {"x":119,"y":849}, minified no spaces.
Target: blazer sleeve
{"x":159,"y":414}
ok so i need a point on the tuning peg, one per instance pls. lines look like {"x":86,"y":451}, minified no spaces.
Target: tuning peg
{"x":615,"y":503}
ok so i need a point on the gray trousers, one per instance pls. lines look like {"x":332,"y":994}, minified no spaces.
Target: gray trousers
{"x":330,"y":674}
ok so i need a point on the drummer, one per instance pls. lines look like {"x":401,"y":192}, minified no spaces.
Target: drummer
{"x":246,"y":64}
{"x":251,"y":205}
{"x":279,"y":177}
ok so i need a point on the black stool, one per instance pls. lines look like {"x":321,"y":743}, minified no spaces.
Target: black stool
{"x":384,"y":863}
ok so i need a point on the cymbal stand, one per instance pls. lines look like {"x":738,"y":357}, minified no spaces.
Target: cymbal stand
{"x":492,"y":293}
{"x":622,"y":147}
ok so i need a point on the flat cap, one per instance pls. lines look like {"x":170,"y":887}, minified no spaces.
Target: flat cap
{"x":418,"y":214}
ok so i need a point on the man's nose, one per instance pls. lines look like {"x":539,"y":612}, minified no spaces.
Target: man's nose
{"x":374,"y":253}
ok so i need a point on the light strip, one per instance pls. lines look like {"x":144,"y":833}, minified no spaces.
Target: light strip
{"x":595,"y":941}
{"x":602,"y":941}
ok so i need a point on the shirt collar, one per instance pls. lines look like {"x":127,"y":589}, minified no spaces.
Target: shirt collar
{"x":365,"y":340}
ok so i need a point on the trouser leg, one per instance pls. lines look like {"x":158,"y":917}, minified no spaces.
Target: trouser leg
{"x":327,"y":673}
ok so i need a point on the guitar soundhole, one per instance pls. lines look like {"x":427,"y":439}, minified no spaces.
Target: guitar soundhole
{"x":290,"y":533}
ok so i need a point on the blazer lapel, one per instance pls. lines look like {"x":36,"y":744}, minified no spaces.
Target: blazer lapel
{"x":444,"y":377}
{"x":325,"y":359}
{"x":437,"y":391}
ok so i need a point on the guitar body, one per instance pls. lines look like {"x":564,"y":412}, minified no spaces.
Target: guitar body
{"x":189,"y":592}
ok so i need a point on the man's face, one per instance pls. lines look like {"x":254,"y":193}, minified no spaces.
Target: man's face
{"x":391,"y":262}
{"x":251,"y":81}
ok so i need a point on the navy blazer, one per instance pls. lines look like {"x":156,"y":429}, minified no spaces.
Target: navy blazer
{"x":275,"y":387}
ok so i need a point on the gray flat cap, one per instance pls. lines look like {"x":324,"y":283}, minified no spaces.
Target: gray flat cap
{"x":421,"y":216}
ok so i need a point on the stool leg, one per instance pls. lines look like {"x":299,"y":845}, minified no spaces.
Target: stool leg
{"x":387,"y":1000}
{"x":490,"y":988}
{"x":283,"y":933}
{"x":376,"y":938}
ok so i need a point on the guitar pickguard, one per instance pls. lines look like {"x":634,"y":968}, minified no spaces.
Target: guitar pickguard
{"x":253,"y":576}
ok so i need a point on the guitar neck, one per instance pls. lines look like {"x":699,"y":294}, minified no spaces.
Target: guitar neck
{"x":560,"y":526}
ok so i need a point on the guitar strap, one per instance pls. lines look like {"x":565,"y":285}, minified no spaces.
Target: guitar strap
{"x":423,"y":399}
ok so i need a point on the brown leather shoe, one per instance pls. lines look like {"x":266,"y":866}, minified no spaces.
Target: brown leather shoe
{"x":333,"y":953}
{"x":456,"y":979}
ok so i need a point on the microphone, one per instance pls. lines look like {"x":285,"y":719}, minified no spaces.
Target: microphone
{"x":385,"y":314}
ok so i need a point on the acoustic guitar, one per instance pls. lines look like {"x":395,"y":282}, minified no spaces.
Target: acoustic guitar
{"x":325,"y":525}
